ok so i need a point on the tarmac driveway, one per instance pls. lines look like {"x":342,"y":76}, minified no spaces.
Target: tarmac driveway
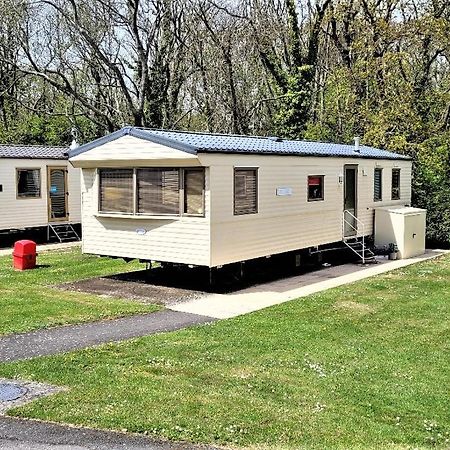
{"x":20,"y":434}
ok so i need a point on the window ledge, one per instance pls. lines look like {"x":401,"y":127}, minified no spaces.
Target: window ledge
{"x":136,"y":216}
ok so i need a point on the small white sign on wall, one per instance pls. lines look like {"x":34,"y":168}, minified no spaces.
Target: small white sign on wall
{"x":141,"y":231}
{"x":284,"y":191}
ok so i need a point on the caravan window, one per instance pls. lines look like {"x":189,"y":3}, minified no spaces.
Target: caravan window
{"x":315,"y":188}
{"x":395,"y":192}
{"x":152,"y":191}
{"x":158,"y":191}
{"x":116,"y":190}
{"x":377,"y":185}
{"x":28,"y":183}
{"x":194,"y":189}
{"x":245,"y":191}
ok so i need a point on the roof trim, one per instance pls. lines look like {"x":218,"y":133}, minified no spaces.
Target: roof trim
{"x":44,"y":158}
{"x":308,"y":155}
{"x":135,"y":132}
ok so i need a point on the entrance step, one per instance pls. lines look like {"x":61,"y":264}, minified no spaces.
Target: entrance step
{"x":358,"y":246}
{"x":64,"y":232}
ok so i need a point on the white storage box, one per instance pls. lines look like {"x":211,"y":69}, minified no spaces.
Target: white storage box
{"x":404,"y":226}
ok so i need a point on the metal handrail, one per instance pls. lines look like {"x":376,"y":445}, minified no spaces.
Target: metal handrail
{"x":358,"y":222}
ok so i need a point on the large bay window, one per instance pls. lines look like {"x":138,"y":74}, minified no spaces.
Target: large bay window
{"x":152,"y":191}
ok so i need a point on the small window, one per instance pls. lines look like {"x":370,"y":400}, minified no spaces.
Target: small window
{"x":158,"y":191}
{"x":315,"y":188}
{"x":194,"y":185}
{"x":395,"y":193}
{"x":116,"y":190}
{"x":377,"y":184}
{"x":245,"y":191}
{"x":28,"y":183}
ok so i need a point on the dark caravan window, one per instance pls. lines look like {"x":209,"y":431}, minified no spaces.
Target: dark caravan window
{"x":28,"y":183}
{"x":395,"y":192}
{"x":377,"y":185}
{"x":315,"y":188}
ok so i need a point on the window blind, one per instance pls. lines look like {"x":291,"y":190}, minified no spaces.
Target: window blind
{"x":377,"y":185}
{"x":158,"y":191}
{"x":116,"y":190}
{"x":245,"y":191}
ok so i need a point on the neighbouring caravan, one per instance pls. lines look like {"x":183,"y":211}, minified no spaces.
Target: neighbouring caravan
{"x":213,"y":199}
{"x":39,"y":191}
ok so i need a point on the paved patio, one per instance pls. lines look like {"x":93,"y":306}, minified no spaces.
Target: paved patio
{"x":223,"y":306}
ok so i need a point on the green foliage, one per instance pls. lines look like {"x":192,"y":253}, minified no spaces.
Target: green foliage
{"x":339,"y":121}
{"x":39,"y":130}
{"x":431,"y":186}
{"x":44,"y":130}
{"x":293,"y":111}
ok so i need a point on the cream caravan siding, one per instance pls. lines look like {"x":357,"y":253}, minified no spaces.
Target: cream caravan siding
{"x":285,"y":223}
{"x":32,"y":212}
{"x":135,"y":151}
{"x":74,"y":190}
{"x":179,"y":239}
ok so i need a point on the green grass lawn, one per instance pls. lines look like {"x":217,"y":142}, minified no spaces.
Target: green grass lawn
{"x":363,"y":366}
{"x":27,"y":302}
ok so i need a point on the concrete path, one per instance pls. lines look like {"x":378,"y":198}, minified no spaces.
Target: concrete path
{"x":19,"y":434}
{"x":44,"y":247}
{"x":51,"y":341}
{"x":223,"y":306}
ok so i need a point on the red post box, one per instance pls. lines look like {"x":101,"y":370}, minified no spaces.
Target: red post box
{"x":24,"y":255}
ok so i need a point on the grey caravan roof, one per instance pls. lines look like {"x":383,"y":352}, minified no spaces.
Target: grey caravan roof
{"x":14,"y":151}
{"x":194,"y":143}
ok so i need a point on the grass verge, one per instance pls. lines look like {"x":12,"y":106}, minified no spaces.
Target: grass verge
{"x":361,"y":366}
{"x":27,"y":301}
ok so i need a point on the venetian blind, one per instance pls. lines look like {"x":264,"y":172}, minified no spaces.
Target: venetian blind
{"x":158,"y":191}
{"x":245,"y":191}
{"x":116,"y":190}
{"x":377,"y":185}
{"x":194,"y":182}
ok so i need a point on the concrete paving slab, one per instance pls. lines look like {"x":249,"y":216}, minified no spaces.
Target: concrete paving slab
{"x":15,"y":347}
{"x":223,"y":306}
{"x":20,"y":434}
{"x":44,"y":247}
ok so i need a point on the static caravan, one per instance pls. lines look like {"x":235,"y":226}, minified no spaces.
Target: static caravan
{"x":212,"y":199}
{"x":39,"y":190}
